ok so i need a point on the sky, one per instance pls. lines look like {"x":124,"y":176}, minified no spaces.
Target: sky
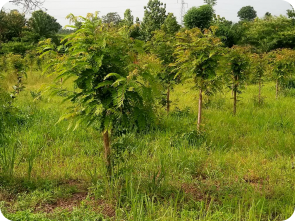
{"x":224,"y":8}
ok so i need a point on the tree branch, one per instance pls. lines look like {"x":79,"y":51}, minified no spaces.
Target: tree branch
{"x":28,"y":5}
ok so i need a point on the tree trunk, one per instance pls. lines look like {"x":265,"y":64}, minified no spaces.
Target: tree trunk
{"x":259,"y":95}
{"x":200,"y":109}
{"x":107,"y":152}
{"x":168,"y":100}
{"x":235,"y":102}
{"x":235,"y":94}
{"x":277,"y":88}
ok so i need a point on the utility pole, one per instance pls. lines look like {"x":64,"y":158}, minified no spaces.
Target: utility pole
{"x":182,"y":10}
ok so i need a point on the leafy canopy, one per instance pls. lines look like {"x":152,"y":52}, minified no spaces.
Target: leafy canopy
{"x":200,"y":17}
{"x":198,"y":55}
{"x":115,"y":82}
{"x":42,"y":25}
{"x":11,"y":25}
{"x":270,"y":33}
{"x":154,"y":17}
{"x":247,"y":13}
{"x":111,"y":17}
{"x":170,"y":25}
{"x":211,"y":2}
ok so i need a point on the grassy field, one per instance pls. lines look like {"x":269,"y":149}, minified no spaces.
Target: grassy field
{"x":239,"y":168}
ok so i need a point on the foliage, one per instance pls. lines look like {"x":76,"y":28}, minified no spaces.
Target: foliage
{"x":40,"y":26}
{"x":236,"y":70}
{"x":111,"y":17}
{"x":154,"y":18}
{"x":162,"y":45}
{"x":198,"y":55}
{"x":15,"y":47}
{"x":128,"y":18}
{"x":270,"y":33}
{"x":291,"y":13}
{"x":225,"y":30}
{"x":170,"y":25}
{"x":112,"y":87}
{"x":247,"y":13}
{"x":211,"y":2}
{"x":11,"y":25}
{"x":200,"y":17}
{"x":282,"y":65}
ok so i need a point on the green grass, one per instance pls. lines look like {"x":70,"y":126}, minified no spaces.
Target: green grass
{"x":238,"y":168}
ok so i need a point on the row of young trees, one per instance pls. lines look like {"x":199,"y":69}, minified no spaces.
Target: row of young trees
{"x":121,"y":71}
{"x":121,"y":79}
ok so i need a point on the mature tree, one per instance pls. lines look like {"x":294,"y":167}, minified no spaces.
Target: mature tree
{"x":3,"y":26}
{"x":291,"y":12}
{"x":42,"y":25}
{"x":247,"y":13}
{"x":211,"y":2}
{"x":11,"y":25}
{"x":154,"y":17}
{"x":128,"y":18}
{"x":111,"y":17}
{"x":270,"y":33}
{"x":28,"y":5}
{"x":116,"y":83}
{"x":200,"y":17}
{"x":170,"y":25}
{"x":225,"y":30}
{"x":198,"y":55}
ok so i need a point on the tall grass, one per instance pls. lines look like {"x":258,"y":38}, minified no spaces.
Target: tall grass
{"x":238,"y":168}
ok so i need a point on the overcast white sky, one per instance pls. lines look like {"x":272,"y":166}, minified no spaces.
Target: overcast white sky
{"x":224,"y":8}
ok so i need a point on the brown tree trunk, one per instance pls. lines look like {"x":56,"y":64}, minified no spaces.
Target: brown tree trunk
{"x":235,"y":94}
{"x":235,"y":102}
{"x":168,"y":100}
{"x":277,"y":88}
{"x":107,"y":152}
{"x":259,"y":95}
{"x":200,"y":109}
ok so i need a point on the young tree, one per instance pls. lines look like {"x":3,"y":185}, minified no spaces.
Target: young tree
{"x":258,"y":69}
{"x":282,"y":66}
{"x":198,"y":55}
{"x":42,"y":25}
{"x":237,"y":68}
{"x":247,"y":13}
{"x":111,"y":17}
{"x":200,"y":17}
{"x":154,"y":17}
{"x":115,"y":90}
{"x":162,"y":45}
